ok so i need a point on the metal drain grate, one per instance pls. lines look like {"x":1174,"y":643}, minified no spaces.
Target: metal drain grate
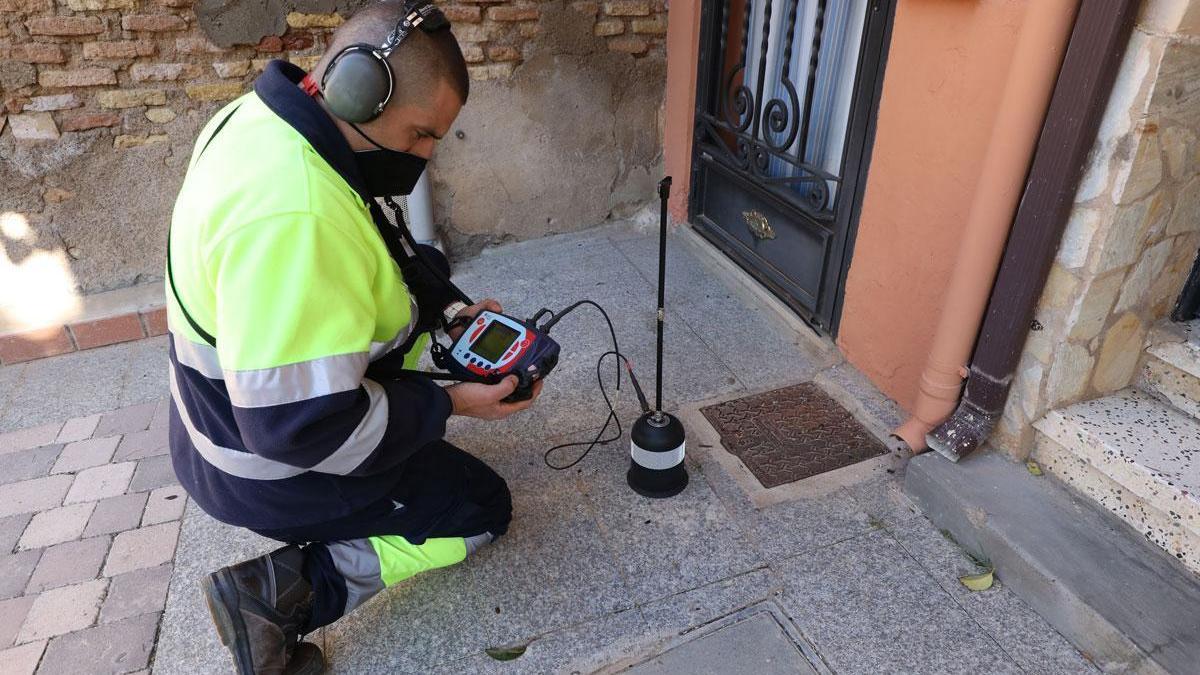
{"x":792,"y":433}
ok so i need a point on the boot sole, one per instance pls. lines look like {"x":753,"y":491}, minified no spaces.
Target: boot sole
{"x":221,"y":596}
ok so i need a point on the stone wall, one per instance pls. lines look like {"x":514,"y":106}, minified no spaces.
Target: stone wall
{"x":102,"y":99}
{"x":1132,"y":236}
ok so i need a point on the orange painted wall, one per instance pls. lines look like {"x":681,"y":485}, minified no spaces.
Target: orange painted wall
{"x":683,"y":45}
{"x":946,"y":67}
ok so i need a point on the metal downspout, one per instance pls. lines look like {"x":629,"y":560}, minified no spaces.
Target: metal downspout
{"x":1090,"y":67}
{"x":1036,"y":59}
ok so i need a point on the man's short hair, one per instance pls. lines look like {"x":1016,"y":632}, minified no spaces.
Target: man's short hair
{"x":423,"y":59}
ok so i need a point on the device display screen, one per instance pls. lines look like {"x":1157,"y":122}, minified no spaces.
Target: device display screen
{"x":496,"y":340}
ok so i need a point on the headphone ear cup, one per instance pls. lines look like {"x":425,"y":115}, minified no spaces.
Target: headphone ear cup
{"x":356,"y":85}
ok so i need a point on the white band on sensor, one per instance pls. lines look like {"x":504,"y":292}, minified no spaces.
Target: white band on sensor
{"x":657,"y":461}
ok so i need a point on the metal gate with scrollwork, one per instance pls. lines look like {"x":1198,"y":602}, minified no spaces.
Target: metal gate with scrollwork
{"x":785,"y":97}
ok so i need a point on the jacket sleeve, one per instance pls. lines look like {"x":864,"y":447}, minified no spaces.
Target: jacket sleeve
{"x":296,"y":314}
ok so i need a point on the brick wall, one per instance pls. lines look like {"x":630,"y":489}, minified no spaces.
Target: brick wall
{"x":130,"y":66}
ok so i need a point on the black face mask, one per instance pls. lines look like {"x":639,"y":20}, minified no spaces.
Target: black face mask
{"x":387,"y":173}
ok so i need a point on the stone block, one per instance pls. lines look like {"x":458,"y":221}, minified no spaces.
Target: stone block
{"x":52,"y":103}
{"x":12,"y":615}
{"x":164,"y":505}
{"x":1143,"y":174}
{"x":119,"y":647}
{"x":232,"y":68}
{"x":472,"y":53}
{"x":152,"y":473}
{"x":65,"y":26}
{"x":1186,"y":217}
{"x":628,"y":45}
{"x":15,"y":75}
{"x":462,"y":13}
{"x":1091,"y":310}
{"x":56,"y":526}
{"x":1118,"y":358}
{"x":68,"y":563}
{"x":158,"y":116}
{"x":37,"y":494}
{"x":38,"y":343}
{"x":153,"y":23}
{"x":94,"y":5}
{"x":1069,"y":374}
{"x":1179,"y":148}
{"x":1137,"y":285}
{"x":126,"y":420}
{"x":27,"y":464}
{"x":503,"y":53}
{"x":627,"y":8}
{"x":123,"y":49}
{"x":85,"y":121}
{"x":141,"y":592}
{"x":32,"y":437}
{"x":116,"y":514}
{"x":142,"y":444}
{"x":23,"y":659}
{"x":86,"y":454}
{"x":270,"y":44}
{"x":37,"y":52}
{"x":217,"y":91}
{"x":63,"y":610}
{"x":125,"y":141}
{"x":77,"y":429}
{"x":1060,"y":288}
{"x":302,"y":20}
{"x":655,"y":26}
{"x":607,"y":27}
{"x":79,"y":77}
{"x":481,"y":32}
{"x":491,"y":71}
{"x":99,"y":482}
{"x":131,"y":98}
{"x":35,"y":126}
{"x":196,"y":45}
{"x":163,"y":72}
{"x":15,"y":570}
{"x":587,"y":7}
{"x":1077,"y":239}
{"x":141,"y":548}
{"x":305,"y":62}
{"x":513,"y":13}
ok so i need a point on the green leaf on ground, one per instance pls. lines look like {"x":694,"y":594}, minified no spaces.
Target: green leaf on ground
{"x":977,"y":582}
{"x":1033,"y":467}
{"x":505,"y":653}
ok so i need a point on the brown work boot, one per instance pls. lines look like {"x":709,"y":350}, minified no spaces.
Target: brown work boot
{"x":259,"y":607}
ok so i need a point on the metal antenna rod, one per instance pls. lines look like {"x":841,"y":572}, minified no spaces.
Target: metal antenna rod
{"x":664,"y":192}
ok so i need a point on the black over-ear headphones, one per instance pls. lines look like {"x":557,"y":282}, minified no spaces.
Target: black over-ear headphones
{"x":359,"y":82}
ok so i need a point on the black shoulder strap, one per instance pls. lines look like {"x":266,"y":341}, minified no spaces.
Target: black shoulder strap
{"x":204,"y":335}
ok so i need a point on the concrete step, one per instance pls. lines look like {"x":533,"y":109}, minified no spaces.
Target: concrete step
{"x":1137,"y":457}
{"x":1172,"y":370}
{"x":1107,"y":590}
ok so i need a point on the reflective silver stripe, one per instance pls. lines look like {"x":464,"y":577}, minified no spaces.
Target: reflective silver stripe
{"x":197,"y":356}
{"x":657,"y":460}
{"x":296,"y":381}
{"x":477,"y":542}
{"x":364,"y":439}
{"x":357,"y":562}
{"x":378,"y":349}
{"x":360,"y":444}
{"x":233,"y":462}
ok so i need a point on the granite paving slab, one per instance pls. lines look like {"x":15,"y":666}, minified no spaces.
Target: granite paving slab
{"x":757,"y":644}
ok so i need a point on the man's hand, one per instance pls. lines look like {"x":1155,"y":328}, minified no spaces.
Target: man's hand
{"x":472,"y":311}
{"x":472,"y":399}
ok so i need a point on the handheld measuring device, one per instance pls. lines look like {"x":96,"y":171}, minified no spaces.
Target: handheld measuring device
{"x":494,"y":346}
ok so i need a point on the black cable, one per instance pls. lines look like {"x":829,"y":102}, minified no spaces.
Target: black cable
{"x":612,"y":416}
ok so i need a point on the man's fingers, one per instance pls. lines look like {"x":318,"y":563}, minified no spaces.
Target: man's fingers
{"x":506,"y":386}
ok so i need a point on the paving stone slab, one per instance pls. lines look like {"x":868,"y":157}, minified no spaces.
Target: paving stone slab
{"x":15,"y":570}
{"x":138,"y":592}
{"x":109,"y":648}
{"x":141,"y":444}
{"x":12,"y":614}
{"x":100,"y":482}
{"x":63,"y":610}
{"x":757,"y":644}
{"x":151,"y":473}
{"x":26,"y":439}
{"x":85,"y":454}
{"x":68,"y":563}
{"x":145,"y":380}
{"x":55,"y":526}
{"x":143,"y":547}
{"x":78,"y":428}
{"x":23,"y":659}
{"x":70,"y":385}
{"x":126,"y":420}
{"x":116,"y":514}
{"x":164,"y":504}
{"x":37,"y":494}
{"x":11,"y":528}
{"x":27,"y":464}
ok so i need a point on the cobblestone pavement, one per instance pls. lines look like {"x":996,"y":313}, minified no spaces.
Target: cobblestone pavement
{"x":96,"y":545}
{"x":89,"y":519}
